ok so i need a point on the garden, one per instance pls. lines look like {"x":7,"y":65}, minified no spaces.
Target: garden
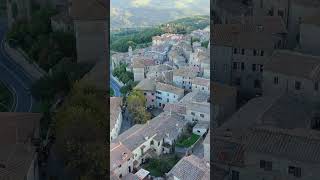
{"x":187,"y":140}
{"x":159,"y":166}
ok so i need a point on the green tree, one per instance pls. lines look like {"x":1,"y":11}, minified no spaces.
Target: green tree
{"x":83,"y":112}
{"x":136,"y":104}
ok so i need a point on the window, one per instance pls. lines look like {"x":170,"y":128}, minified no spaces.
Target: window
{"x":202,"y":115}
{"x":152,"y":100}
{"x":159,"y":143}
{"x":235,"y":50}
{"x":152,"y":94}
{"x":297,"y":85}
{"x":235,"y":67}
{"x":261,"y":68}
{"x":167,"y":94}
{"x":235,"y":175}
{"x":193,"y":114}
{"x":119,"y":166}
{"x":167,"y":100}
{"x":275,"y":80}
{"x":254,"y":52}
{"x":238,"y":81}
{"x":151,"y":142}
{"x":257,"y":84}
{"x":159,"y":104}
{"x":316,"y":86}
{"x":295,"y":171}
{"x":242,"y":66}
{"x":266,"y":165}
{"x":280,"y":13}
{"x":120,"y":176}
{"x":262,"y":53}
{"x":226,"y":67}
{"x":190,"y":87}
{"x":254,"y":67}
{"x":198,"y":131}
{"x":242,"y":51}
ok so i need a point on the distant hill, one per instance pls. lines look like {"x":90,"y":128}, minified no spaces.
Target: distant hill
{"x":146,"y":13}
{"x":142,"y":37}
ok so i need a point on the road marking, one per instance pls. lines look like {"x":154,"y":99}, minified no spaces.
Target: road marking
{"x":31,"y":103}
{"x":17,"y":78}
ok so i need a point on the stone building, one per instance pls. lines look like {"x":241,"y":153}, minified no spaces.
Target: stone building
{"x":90,"y":29}
{"x":292,"y":72}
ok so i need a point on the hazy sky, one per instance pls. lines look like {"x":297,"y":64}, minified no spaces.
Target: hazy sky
{"x":199,"y":5}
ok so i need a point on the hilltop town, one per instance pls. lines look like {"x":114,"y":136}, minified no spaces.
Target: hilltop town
{"x":172,"y":80}
{"x":269,"y":52}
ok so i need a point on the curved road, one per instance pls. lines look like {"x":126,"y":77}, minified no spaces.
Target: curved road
{"x":13,"y":76}
{"x":115,"y":86}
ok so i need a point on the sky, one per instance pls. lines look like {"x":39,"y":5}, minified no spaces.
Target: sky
{"x":200,"y":5}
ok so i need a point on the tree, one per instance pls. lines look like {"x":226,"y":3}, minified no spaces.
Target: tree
{"x":83,"y":112}
{"x":136,"y":104}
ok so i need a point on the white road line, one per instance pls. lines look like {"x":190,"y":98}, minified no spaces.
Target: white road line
{"x":14,"y":75}
{"x":31,"y":104}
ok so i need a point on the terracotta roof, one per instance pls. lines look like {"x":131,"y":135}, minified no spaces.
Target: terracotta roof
{"x":190,"y":168}
{"x":285,"y":111}
{"x":169,"y":88}
{"x":294,"y":64}
{"x":185,"y":72}
{"x":176,"y":107}
{"x":201,"y":81}
{"x":115,"y":109}
{"x":118,"y":155}
{"x":89,"y":9}
{"x":163,"y":125}
{"x":271,"y":24}
{"x":17,"y":152}
{"x":146,"y":85}
{"x":298,"y":144}
{"x":235,"y":36}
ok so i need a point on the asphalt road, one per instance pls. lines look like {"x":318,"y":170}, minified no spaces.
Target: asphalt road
{"x":115,"y":86}
{"x":14,"y":77}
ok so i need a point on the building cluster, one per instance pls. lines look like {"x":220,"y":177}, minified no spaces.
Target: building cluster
{"x":173,"y":75}
{"x":269,"y":52}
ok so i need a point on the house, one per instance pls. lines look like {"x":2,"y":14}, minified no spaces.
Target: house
{"x":198,"y":59}
{"x":241,"y":54}
{"x":292,"y":72}
{"x":206,"y":147}
{"x":292,"y":13}
{"x":226,"y":10}
{"x":166,"y":93}
{"x":159,"y":53}
{"x":148,"y":87}
{"x":269,"y":153}
{"x":309,"y":31}
{"x":196,"y":112}
{"x":224,"y":102}
{"x":162,"y":72}
{"x":90,"y":30}
{"x":181,"y":106}
{"x":190,"y":168}
{"x":202,"y":35}
{"x":170,"y":39}
{"x":201,"y":128}
{"x":119,"y":58}
{"x":143,"y":141}
{"x":182,"y":78}
{"x":19,"y":140}
{"x":62,"y":22}
{"x":141,"y":66}
{"x":121,"y":160}
{"x":176,"y":56}
{"x":115,"y":116}
{"x":201,"y":84}
{"x":285,"y":111}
